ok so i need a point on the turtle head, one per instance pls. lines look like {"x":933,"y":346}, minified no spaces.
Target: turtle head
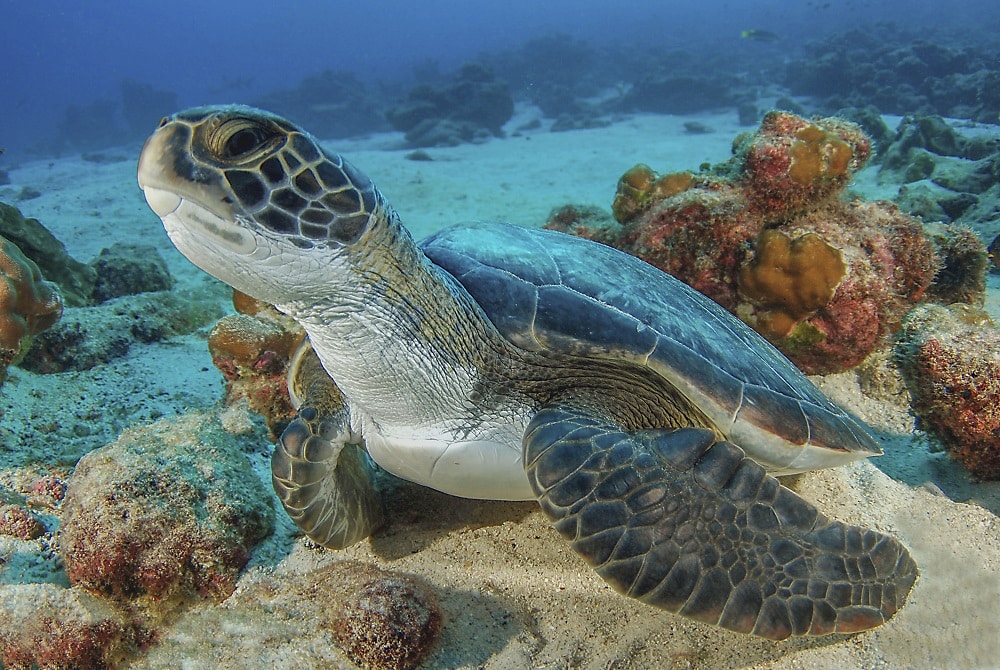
{"x":255,"y":201}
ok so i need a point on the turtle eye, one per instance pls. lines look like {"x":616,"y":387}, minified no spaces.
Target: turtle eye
{"x":236,"y":139}
{"x":241,"y":142}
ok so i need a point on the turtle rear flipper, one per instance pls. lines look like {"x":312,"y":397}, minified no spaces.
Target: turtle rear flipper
{"x":682,"y":521}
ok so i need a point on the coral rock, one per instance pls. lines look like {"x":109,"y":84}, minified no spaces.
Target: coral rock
{"x":964,"y":264}
{"x":28,"y":304}
{"x":950,"y":357}
{"x":791,"y":163}
{"x":170,"y":510}
{"x":890,"y":266}
{"x":54,"y":628}
{"x":75,"y":279}
{"x":767,"y":237}
{"x":384,"y":620}
{"x":252,"y":350}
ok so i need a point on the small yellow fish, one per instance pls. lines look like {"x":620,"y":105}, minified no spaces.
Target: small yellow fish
{"x":759,"y":35}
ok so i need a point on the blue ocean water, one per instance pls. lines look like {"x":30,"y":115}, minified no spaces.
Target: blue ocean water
{"x":60,"y":56}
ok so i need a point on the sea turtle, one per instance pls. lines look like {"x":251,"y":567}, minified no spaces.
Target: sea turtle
{"x":498,"y":362}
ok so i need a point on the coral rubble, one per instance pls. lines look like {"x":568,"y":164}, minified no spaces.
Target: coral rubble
{"x":768,"y":236}
{"x":950,"y":357}
{"x":28,"y":304}
{"x":168,"y":511}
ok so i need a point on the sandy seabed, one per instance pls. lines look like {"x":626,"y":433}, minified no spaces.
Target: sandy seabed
{"x":512,"y":592}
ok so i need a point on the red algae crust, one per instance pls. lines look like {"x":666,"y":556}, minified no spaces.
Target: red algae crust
{"x":54,"y":628}
{"x":950,"y":358}
{"x":168,"y":511}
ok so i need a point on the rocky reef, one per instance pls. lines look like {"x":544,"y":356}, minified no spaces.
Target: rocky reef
{"x":472,"y":107}
{"x":899,"y":71}
{"x":950,"y":358}
{"x":946,"y":174}
{"x":28,"y":304}
{"x":330,"y":104}
{"x":769,"y":236}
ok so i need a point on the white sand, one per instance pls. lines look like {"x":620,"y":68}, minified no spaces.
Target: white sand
{"x":513,"y":594}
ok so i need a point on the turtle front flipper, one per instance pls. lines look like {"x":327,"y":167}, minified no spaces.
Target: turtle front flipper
{"x":679,"y":520}
{"x":326,"y":482}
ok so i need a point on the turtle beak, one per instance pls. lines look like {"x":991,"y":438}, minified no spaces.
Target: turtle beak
{"x":168,"y":175}
{"x":160,"y":200}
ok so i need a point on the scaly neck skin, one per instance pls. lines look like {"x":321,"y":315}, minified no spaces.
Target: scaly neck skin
{"x":404,"y":347}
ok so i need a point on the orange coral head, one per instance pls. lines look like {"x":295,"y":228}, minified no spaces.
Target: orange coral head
{"x":28,"y":304}
{"x":817,"y":154}
{"x":790,"y":279}
{"x":633,"y":191}
{"x":671,"y":184}
{"x":243,"y":339}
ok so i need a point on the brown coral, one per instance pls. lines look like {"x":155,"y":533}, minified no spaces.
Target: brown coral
{"x":790,"y":279}
{"x":28,"y":304}
{"x":640,"y":187}
{"x":950,"y":357}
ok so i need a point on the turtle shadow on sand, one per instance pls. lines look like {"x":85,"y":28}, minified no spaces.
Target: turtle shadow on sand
{"x":435,"y":515}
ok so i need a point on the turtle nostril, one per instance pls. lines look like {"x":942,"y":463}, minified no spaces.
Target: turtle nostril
{"x":163,"y":121}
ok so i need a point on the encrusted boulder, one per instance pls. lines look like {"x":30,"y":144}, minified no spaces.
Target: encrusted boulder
{"x":54,"y":628}
{"x":168,"y":511}
{"x":950,"y":358}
